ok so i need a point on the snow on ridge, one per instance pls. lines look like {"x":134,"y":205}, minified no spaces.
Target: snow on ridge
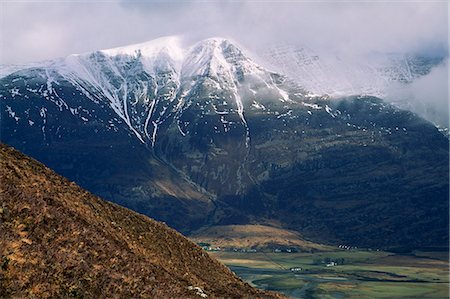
{"x":166,"y":52}
{"x":168,"y":44}
{"x":8,"y":69}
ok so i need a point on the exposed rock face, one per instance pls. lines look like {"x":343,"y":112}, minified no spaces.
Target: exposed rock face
{"x":204,"y":136}
{"x":58,"y":240}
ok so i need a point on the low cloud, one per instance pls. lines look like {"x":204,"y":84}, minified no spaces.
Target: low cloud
{"x":36,"y":30}
{"x":428,"y":95}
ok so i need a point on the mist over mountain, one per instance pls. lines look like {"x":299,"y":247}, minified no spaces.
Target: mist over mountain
{"x":200,"y":134}
{"x":414,"y":81}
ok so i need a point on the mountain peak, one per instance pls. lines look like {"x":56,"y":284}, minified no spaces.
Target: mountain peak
{"x":221,"y":44}
{"x":217,"y":56}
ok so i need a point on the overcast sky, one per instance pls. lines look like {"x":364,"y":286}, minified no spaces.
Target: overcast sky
{"x":37,"y":30}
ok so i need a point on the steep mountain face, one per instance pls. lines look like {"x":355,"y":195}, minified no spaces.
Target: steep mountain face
{"x":59,"y":241}
{"x":202,"y":135}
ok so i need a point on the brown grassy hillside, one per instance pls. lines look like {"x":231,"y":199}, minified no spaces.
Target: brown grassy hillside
{"x":59,"y":241}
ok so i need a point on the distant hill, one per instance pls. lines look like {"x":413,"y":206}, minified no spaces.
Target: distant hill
{"x":60,"y":241}
{"x":256,"y":236}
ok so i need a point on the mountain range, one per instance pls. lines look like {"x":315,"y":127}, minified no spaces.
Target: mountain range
{"x":202,"y":135}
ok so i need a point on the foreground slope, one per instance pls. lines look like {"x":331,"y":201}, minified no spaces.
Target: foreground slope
{"x":58,"y":240}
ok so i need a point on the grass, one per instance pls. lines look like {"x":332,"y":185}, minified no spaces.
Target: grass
{"x":364,"y":274}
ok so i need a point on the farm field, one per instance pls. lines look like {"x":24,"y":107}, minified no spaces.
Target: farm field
{"x":344,"y":273}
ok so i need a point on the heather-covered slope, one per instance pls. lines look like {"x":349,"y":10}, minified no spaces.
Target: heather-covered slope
{"x":58,"y":240}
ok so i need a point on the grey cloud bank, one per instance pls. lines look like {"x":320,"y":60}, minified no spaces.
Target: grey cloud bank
{"x":42,"y":30}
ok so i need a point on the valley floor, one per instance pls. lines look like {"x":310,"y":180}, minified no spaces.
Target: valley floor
{"x":344,"y":274}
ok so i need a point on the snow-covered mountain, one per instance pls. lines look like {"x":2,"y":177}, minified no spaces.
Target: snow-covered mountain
{"x":146,"y":84}
{"x":201,"y":134}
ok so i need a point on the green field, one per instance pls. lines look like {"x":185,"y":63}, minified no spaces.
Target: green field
{"x":358,"y":274}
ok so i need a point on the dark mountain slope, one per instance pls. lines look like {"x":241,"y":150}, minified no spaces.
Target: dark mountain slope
{"x":371,"y":175}
{"x":58,"y":241}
